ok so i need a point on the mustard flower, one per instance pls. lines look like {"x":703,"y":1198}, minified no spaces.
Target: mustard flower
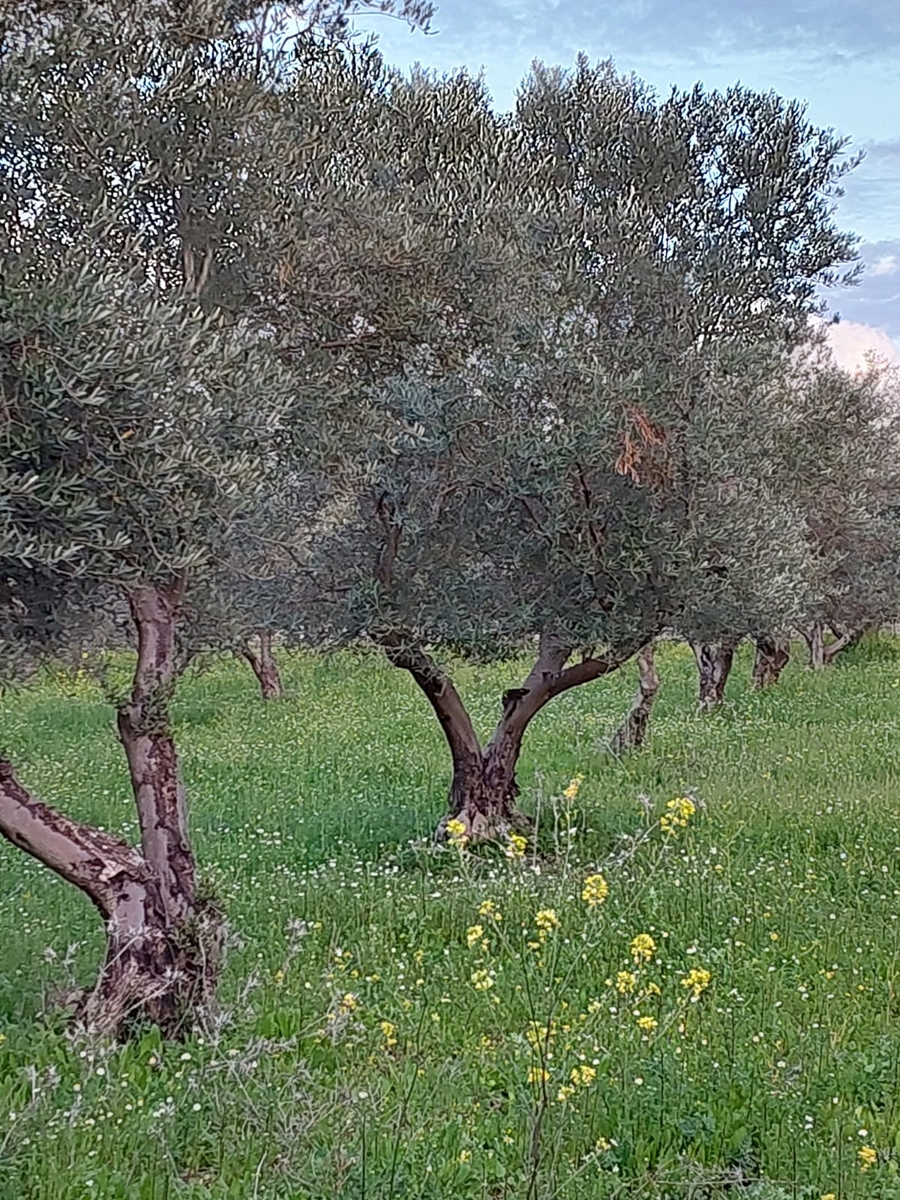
{"x":515,"y":848}
{"x":474,"y":934}
{"x":482,"y":980}
{"x":643,"y":948}
{"x":595,"y":890}
{"x":867,"y":1156}
{"x":456,"y":834}
{"x":679,"y":812}
{"x":647,"y":1023}
{"x":625,"y":982}
{"x":583,"y":1075}
{"x":698,"y":981}
{"x":546,"y":919}
{"x":571,"y":792}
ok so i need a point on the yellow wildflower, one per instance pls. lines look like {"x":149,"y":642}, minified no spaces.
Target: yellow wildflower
{"x":487,"y":908}
{"x":537,"y":1075}
{"x":546,"y":919}
{"x":516,"y":846}
{"x":565,"y":1093}
{"x":697,"y":980}
{"x":643,"y":948}
{"x":583,"y":1075}
{"x":595,"y":890}
{"x":536,"y":1033}
{"x":867,"y":1157}
{"x":389,"y":1030}
{"x":465,"y":1156}
{"x":571,"y":792}
{"x":625,"y":982}
{"x":456,"y":834}
{"x":482,"y":980}
{"x":679,"y":813}
{"x":474,"y":934}
{"x":647,"y":1023}
{"x":829,"y":1196}
{"x":349,"y":1002}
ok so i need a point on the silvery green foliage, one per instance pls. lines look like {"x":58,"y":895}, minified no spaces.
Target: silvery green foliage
{"x":608,"y":471}
{"x":137,"y":395}
{"x":840,"y":454}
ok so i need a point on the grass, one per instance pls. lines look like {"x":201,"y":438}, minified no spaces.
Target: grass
{"x":365,"y":1049}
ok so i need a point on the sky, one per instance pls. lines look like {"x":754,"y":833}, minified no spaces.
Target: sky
{"x":842,"y":57}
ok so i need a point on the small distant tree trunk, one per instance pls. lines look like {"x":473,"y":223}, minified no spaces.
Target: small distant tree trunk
{"x":264,"y":666}
{"x":631,"y":733}
{"x":773,"y":652}
{"x":484,"y":790}
{"x":162,"y":940}
{"x":714,"y":662}
{"x":822,"y":654}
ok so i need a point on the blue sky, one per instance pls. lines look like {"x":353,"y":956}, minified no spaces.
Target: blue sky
{"x":841,"y":56}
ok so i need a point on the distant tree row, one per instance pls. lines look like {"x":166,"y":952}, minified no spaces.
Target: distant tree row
{"x":292,"y":344}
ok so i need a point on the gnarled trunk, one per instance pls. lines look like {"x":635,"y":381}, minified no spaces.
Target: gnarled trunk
{"x":162,"y":939}
{"x":264,"y":666}
{"x":631,"y":733}
{"x":714,"y":662}
{"x":484,"y":790}
{"x":773,"y":653}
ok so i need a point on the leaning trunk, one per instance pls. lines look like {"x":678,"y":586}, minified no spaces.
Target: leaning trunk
{"x":155,"y":969}
{"x":633,"y":730}
{"x":773,"y":652}
{"x":264,"y":666}
{"x":714,"y":661}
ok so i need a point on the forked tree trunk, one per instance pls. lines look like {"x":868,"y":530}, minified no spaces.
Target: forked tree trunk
{"x":631,"y":733}
{"x":822,"y":654}
{"x":714,"y":662}
{"x":484,"y":790}
{"x":773,"y":653}
{"x":264,"y":666}
{"x":162,"y":940}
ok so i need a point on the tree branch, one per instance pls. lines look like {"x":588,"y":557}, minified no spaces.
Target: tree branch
{"x":440,"y":693}
{"x":97,"y":863}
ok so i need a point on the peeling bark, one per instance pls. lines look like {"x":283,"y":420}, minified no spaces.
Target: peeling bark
{"x":633,"y":730}
{"x":484,"y":790}
{"x":264,"y":666}
{"x":773,"y":653}
{"x":714,"y":662}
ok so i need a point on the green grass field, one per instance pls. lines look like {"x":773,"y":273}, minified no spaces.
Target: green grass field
{"x":374,"y":1043}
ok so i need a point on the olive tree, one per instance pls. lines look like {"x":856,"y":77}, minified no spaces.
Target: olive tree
{"x":594,"y":481}
{"x":155,"y":201}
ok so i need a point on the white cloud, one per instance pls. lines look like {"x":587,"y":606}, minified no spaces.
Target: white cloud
{"x":888,"y":264}
{"x":850,"y":341}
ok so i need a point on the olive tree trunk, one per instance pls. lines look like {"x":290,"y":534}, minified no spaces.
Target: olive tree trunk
{"x":714,"y":662}
{"x":821,"y":653}
{"x":631,"y":733}
{"x":162,"y":941}
{"x":484,"y":790}
{"x":264,"y":666}
{"x":773,"y":653}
